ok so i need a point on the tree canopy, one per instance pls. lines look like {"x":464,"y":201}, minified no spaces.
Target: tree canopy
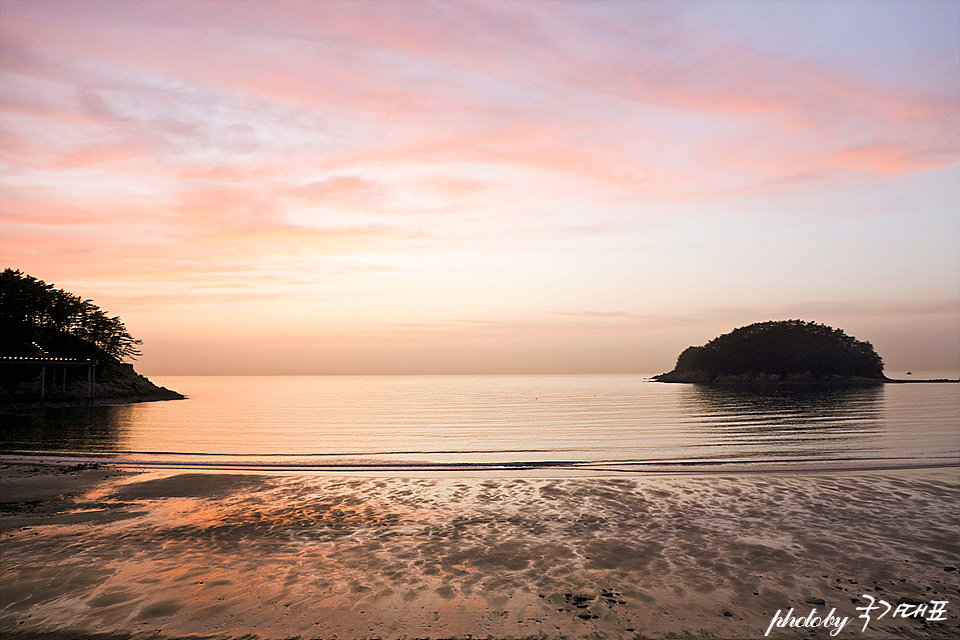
{"x":39,"y":320}
{"x":786,"y":348}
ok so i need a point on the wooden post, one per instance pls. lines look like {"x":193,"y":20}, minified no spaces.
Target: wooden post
{"x":43,"y":381}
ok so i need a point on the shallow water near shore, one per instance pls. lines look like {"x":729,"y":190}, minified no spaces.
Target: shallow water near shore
{"x":576,"y":423}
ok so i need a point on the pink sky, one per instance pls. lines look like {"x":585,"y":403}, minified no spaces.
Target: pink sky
{"x":418,"y":187}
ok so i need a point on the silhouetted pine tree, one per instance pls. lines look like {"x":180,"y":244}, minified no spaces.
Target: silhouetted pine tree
{"x":38,"y":320}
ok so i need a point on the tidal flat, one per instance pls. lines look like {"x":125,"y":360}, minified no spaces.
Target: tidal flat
{"x":98,"y":552}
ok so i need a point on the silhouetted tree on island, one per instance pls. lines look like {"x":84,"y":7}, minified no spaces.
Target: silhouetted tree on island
{"x":778,"y":351}
{"x":40,"y":321}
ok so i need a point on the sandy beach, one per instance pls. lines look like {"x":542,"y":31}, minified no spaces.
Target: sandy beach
{"x":105,"y":553}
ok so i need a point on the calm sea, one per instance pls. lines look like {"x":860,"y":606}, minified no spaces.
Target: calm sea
{"x":588,"y":423}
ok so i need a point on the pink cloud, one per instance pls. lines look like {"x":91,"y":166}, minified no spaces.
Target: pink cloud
{"x":223,"y":145}
{"x":337,"y":57}
{"x":343,"y":190}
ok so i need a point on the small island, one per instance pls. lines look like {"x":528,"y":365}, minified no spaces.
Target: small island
{"x":780,"y":352}
{"x":60,"y":349}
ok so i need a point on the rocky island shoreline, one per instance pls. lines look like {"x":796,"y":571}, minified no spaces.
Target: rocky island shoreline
{"x":702,"y":377}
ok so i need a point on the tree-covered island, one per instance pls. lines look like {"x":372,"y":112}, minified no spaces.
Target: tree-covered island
{"x":47,"y":334}
{"x":779,"y":352}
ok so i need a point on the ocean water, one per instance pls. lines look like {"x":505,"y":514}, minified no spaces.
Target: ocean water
{"x":569,"y":423}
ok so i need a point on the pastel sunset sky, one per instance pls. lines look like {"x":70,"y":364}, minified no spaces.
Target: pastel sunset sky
{"x":509,"y":186}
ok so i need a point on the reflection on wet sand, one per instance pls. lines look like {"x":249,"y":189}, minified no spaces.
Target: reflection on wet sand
{"x":325,"y":556}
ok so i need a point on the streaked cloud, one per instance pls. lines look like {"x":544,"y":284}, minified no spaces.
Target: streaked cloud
{"x":396,"y":164}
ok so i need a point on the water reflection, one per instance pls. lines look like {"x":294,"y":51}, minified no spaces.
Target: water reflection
{"x":96,"y":428}
{"x":818,"y":422}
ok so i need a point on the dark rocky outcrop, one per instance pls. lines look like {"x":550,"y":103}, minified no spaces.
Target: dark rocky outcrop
{"x":115,"y":382}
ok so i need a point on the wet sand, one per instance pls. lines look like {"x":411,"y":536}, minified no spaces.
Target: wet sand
{"x":109,"y":554}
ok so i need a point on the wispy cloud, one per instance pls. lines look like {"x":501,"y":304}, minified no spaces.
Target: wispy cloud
{"x":502,"y":161}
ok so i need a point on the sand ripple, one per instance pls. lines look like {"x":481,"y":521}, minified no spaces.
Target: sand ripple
{"x":167,"y":555}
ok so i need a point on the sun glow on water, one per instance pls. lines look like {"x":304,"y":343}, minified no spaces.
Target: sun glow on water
{"x":582,"y":423}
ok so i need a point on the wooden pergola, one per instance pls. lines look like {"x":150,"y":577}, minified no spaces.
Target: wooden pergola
{"x":56,"y":365}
